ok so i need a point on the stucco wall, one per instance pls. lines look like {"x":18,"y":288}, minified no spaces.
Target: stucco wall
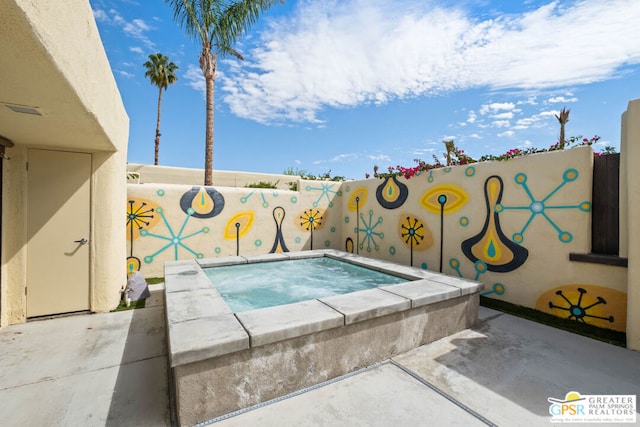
{"x":53,"y":59}
{"x":508,"y":224}
{"x":630,"y":198}
{"x":175,"y":175}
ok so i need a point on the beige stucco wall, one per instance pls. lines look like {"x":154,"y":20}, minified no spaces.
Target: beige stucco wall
{"x":559,"y":182}
{"x":174,"y":175}
{"x":52,"y":58}
{"x":630,"y":147}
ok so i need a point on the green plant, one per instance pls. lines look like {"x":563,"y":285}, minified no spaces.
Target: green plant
{"x":455,"y":156}
{"x":162,"y":74}
{"x":263,"y":184}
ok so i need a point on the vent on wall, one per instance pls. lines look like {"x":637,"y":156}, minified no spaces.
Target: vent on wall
{"x":24,"y":109}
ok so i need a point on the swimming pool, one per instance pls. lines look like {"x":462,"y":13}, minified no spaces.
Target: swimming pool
{"x":222,"y":361}
{"x":251,"y":286}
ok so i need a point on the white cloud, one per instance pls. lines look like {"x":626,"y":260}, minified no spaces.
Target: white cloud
{"x":137,"y":49}
{"x":501,"y":123}
{"x":100,"y":15}
{"x":352,"y":52}
{"x":496,"y":106}
{"x":195,"y":79}
{"x":135,"y":28}
{"x":507,"y":133}
{"x":532,"y":100}
{"x":124,"y":73}
{"x":508,"y":115}
{"x":561,"y":99}
{"x":472,"y":117}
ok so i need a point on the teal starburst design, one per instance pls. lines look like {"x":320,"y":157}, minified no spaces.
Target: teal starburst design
{"x":265,"y":204}
{"x":540,"y":207}
{"x":174,"y":239}
{"x":370,"y":234}
{"x":325,"y":191}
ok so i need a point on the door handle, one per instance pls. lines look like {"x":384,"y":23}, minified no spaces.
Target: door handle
{"x":82,"y":241}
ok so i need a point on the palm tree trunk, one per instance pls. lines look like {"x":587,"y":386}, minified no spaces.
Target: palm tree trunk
{"x":158,"y":127}
{"x":208,"y":66}
{"x":562,"y":135}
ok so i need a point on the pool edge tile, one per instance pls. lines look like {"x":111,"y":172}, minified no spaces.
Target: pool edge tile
{"x":282,"y":322}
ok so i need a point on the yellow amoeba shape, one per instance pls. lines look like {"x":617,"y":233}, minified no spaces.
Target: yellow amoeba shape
{"x":456,"y":198}
{"x":244,"y":221}
{"x":361,"y":194}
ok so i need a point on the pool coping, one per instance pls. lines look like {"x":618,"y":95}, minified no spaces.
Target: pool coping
{"x":201,"y":326}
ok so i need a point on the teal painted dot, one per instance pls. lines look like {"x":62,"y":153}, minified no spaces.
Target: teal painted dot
{"x":480,"y":266}
{"x":148,"y":259}
{"x":327,"y":243}
{"x":159,"y":210}
{"x":339,"y":193}
{"x":454,"y":263}
{"x":144,"y":232}
{"x":447,"y":169}
{"x":520,"y":178}
{"x":218,"y":250}
{"x":565,"y":237}
{"x":205,"y":230}
{"x":333,"y":229}
{"x":517,"y":237}
{"x":346,"y":220}
{"x":275,"y":194}
{"x":160,"y":193}
{"x":347,"y":188}
{"x":424,"y":265}
{"x":498,"y":288}
{"x":392,"y":250}
{"x":464,"y":221}
{"x":470,"y":171}
{"x":498,"y":208}
{"x":200,"y":256}
{"x":190,"y":211}
{"x":298,"y":239}
{"x":585,"y":206}
{"x":294,"y":199}
{"x":258,"y":243}
{"x":570,"y":175}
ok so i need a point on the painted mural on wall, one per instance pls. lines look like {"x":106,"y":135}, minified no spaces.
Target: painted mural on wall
{"x":495,"y":251}
{"x":589,"y":304}
{"x":140,"y":215}
{"x":508,"y":224}
{"x":392,"y":194}
{"x":202,"y":202}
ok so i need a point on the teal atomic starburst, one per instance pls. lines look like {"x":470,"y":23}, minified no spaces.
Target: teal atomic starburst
{"x":265,"y":203}
{"x":174,"y":239}
{"x":325,"y":190}
{"x":370,"y":235}
{"x":541,"y":207}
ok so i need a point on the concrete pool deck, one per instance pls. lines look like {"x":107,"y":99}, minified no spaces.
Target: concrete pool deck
{"x":110,"y":369}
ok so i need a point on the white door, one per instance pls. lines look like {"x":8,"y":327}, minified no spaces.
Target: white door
{"x":58,"y":227}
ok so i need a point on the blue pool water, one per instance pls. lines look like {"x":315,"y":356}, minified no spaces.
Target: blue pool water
{"x":265,"y":284}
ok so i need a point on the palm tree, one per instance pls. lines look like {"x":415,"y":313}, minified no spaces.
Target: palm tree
{"x":161,"y":72}
{"x":563,"y":118}
{"x":217,"y":25}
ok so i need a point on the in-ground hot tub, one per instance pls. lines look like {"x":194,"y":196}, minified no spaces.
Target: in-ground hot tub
{"x":223,"y":361}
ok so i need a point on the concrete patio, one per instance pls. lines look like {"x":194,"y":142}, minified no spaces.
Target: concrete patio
{"x":110,"y":369}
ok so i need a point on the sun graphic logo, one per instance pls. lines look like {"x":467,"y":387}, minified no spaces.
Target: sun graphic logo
{"x":570,"y":406}
{"x":606,"y":408}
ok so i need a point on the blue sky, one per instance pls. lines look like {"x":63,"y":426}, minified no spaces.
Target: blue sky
{"x":343,"y":85}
